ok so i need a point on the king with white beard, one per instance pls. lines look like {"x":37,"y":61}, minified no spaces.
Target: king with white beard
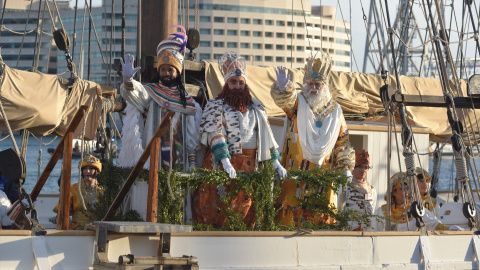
{"x":315,"y":135}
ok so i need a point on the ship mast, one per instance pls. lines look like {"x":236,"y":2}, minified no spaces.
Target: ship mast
{"x":155,"y":18}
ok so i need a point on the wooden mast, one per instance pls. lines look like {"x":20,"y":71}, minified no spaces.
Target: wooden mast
{"x":156,"y":17}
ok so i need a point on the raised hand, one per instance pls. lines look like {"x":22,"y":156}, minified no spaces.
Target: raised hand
{"x":280,"y":170}
{"x":227,"y":166}
{"x":282,"y":78}
{"x":127,"y":67}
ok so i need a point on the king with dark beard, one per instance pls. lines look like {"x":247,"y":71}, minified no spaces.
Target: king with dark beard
{"x":154,"y":100}
{"x":236,"y":131}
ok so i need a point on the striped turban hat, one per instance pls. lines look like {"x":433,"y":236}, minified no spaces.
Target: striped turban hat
{"x":171,"y":50}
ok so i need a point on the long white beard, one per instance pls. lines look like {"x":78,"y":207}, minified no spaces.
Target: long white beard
{"x":318,"y":101}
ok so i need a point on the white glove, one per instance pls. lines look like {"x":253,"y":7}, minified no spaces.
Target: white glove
{"x":127,"y":68}
{"x":282,"y":78}
{"x":227,"y":166}
{"x":456,"y":228}
{"x":191,"y":166}
{"x":348,"y":174}
{"x":281,"y":171}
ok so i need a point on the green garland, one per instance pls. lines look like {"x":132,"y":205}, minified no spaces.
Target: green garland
{"x":263,"y":186}
{"x":111,"y":179}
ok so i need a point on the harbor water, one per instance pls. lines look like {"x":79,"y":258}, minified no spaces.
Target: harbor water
{"x":37,"y":153}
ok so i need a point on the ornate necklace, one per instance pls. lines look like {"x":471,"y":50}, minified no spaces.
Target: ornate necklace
{"x":319,"y":116}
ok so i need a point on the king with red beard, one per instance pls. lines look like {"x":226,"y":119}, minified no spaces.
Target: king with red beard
{"x":236,"y":131}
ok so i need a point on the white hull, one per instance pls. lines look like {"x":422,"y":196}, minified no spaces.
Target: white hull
{"x":251,"y":250}
{"x":244,"y":250}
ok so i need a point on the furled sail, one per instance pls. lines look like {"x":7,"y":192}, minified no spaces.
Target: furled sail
{"x":44,"y":104}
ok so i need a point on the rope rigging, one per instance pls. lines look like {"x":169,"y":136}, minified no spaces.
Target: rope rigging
{"x":383,"y":72}
{"x":416,"y":208}
{"x":456,"y":125}
{"x":468,"y":154}
{"x":353,"y":54}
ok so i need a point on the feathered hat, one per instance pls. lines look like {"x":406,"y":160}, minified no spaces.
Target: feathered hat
{"x":171,"y":50}
{"x":231,"y":64}
{"x":318,"y":68}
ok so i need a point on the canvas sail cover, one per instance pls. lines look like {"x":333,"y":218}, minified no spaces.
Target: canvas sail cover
{"x":357,"y":93}
{"x":42,"y":103}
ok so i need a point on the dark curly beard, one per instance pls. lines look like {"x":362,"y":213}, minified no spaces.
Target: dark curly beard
{"x":238,"y":99}
{"x":168,"y":81}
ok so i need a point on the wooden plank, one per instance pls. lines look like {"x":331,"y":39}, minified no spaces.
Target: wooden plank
{"x":57,"y":154}
{"x":450,"y":232}
{"x":436,"y":101}
{"x":193,"y":65}
{"x":152,"y":200}
{"x":140,"y":227}
{"x":15,"y":233}
{"x":392,"y":233}
{"x":64,"y":197}
{"x":371,"y":126}
{"x":268,"y":233}
{"x":69,"y":233}
{"x":138,"y":167}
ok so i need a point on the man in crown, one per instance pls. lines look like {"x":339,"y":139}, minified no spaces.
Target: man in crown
{"x":316,"y":135}
{"x":148,"y":104}
{"x":236,"y":130}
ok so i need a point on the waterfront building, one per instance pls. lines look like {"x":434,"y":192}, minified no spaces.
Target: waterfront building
{"x":21,"y":45}
{"x":266,"y":33}
{"x":271,"y":33}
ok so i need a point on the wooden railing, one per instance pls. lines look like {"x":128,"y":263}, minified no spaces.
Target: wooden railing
{"x":151,"y":151}
{"x":64,"y":147}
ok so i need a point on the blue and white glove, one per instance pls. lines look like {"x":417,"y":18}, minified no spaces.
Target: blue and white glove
{"x":282,"y":78}
{"x":227,"y":166}
{"x":281,"y":171}
{"x":127,"y":68}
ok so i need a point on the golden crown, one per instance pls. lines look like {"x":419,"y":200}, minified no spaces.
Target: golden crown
{"x":318,"y":68}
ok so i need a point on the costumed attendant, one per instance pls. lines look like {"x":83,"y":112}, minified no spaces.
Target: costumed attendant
{"x":423,"y":181}
{"x":5,"y":205}
{"x":90,"y":192}
{"x":147,"y":105}
{"x":400,"y":221}
{"x":316,"y":135}
{"x":362,"y":197}
{"x":236,"y":130}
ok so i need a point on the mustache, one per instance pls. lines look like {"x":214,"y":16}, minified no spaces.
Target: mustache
{"x":167,"y":80}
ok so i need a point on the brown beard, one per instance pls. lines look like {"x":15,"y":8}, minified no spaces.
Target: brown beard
{"x":238,"y":99}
